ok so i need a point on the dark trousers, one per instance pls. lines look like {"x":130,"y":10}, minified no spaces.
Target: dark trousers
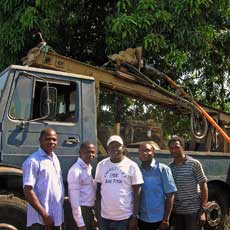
{"x":186,"y":222}
{"x":107,"y":224}
{"x":41,"y":227}
{"x":148,"y":226}
{"x":88,"y":216}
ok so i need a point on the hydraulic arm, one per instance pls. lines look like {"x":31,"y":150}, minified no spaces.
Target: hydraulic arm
{"x":128,"y":83}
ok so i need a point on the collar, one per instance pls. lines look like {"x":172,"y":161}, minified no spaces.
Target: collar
{"x":183,"y":162}
{"x":152,"y":165}
{"x":83,"y":164}
{"x":42,"y":153}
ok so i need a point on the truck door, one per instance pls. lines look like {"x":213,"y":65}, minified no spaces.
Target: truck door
{"x":26,"y":116}
{"x":3,"y":95}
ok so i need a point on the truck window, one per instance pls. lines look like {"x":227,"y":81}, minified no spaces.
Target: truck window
{"x":27,"y":100}
{"x":22,"y":99}
{"x":65,"y":108}
{"x":3,"y":79}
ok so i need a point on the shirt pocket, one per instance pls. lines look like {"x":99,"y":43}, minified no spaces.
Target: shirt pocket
{"x":86,"y":179}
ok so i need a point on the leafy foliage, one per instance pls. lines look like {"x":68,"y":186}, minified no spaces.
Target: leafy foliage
{"x":187,"y":39}
{"x":73,"y":28}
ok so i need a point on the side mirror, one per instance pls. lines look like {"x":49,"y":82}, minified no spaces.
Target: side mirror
{"x":48,"y":102}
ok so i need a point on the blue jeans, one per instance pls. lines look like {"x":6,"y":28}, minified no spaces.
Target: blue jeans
{"x":107,"y":224}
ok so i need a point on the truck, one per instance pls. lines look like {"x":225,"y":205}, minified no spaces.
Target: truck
{"x":51,"y":90}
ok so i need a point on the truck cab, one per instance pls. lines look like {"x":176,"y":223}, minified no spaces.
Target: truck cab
{"x":32,"y":99}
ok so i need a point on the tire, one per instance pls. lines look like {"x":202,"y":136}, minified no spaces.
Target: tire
{"x":12,"y":212}
{"x":220,"y":201}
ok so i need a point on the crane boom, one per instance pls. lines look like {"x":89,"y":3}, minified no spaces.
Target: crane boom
{"x":115,"y":80}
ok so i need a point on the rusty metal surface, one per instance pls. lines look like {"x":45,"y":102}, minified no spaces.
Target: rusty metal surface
{"x":4,"y":226}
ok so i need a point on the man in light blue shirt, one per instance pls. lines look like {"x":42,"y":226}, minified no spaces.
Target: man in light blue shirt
{"x":157,"y":191}
{"x":43,"y":185}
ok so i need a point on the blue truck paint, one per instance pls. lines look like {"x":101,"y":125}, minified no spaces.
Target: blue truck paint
{"x":19,"y":138}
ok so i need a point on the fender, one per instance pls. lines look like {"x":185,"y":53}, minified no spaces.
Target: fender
{"x":7,"y":169}
{"x":7,"y":227}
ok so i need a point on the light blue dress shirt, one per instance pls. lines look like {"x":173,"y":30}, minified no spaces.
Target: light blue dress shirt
{"x":158,"y":181}
{"x":43,"y":173}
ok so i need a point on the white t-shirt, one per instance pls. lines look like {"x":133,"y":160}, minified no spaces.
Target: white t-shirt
{"x":116,"y":187}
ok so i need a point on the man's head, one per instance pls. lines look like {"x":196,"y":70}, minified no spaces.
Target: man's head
{"x":48,"y":140}
{"x":87,"y":152}
{"x":146,"y":152}
{"x":115,"y":146}
{"x":176,"y":146}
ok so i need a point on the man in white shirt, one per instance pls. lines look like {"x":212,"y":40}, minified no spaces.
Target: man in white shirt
{"x":43,"y":185}
{"x":82,"y":188}
{"x":119,"y":184}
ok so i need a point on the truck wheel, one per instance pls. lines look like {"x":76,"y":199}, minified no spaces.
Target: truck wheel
{"x":218,"y":207}
{"x":12,"y":212}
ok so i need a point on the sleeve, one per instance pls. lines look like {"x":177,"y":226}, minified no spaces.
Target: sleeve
{"x":30,"y":170}
{"x":137,"y":175}
{"x":199,"y":172}
{"x":97,"y":174}
{"x":60,"y":177}
{"x":167,"y":180}
{"x":74,"y":196}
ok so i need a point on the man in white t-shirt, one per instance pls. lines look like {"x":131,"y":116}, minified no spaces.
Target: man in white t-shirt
{"x":119,"y":185}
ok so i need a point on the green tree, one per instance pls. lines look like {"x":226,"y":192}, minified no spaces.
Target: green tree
{"x":74,"y":28}
{"x":187,"y":39}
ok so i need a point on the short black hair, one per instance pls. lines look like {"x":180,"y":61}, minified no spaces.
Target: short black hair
{"x":176,"y":138}
{"x":45,"y":131}
{"x":85,"y":144}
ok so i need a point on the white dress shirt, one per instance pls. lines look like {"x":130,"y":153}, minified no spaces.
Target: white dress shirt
{"x":82,"y":189}
{"x":43,"y":173}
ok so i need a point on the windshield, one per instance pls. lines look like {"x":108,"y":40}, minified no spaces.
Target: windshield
{"x":3,"y":79}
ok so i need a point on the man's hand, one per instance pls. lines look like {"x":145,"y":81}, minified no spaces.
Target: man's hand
{"x":202,"y":218}
{"x":32,"y":198}
{"x":95,"y":222}
{"x":164,"y":225}
{"x":133,"y":223}
{"x":48,"y":222}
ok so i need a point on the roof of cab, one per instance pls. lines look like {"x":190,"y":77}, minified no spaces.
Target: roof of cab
{"x":48,"y":71}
